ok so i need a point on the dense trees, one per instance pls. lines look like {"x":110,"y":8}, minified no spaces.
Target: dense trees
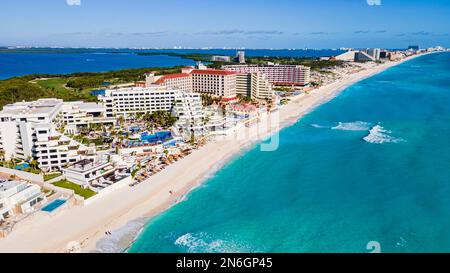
{"x":85,"y":82}
{"x":70,"y":87}
{"x":18,"y":89}
{"x":160,"y":118}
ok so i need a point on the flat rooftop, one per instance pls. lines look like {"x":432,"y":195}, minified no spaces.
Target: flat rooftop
{"x":87,"y":106}
{"x":86,"y":165}
{"x":41,"y":106}
{"x":7,"y":184}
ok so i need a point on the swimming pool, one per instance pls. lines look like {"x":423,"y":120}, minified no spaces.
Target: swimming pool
{"x":54,"y":205}
{"x":22,"y":166}
{"x":158,"y":136}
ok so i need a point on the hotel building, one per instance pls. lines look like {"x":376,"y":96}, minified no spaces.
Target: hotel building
{"x":218,"y":83}
{"x":80,"y":114}
{"x":30,"y":130}
{"x":180,"y":81}
{"x":18,"y":197}
{"x":276,"y":74}
{"x":96,"y":175}
{"x":191,"y":117}
{"x":254,"y":85}
{"x":221,"y":59}
{"x":240,"y":57}
{"x":129,"y":101}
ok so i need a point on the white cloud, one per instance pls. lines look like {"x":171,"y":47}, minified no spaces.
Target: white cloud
{"x":74,"y":2}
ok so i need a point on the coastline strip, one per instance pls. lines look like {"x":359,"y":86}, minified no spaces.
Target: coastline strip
{"x":87,"y":225}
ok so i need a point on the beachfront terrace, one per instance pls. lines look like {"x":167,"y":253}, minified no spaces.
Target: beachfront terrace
{"x":95,"y":175}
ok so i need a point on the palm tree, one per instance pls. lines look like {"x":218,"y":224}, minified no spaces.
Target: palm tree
{"x":34,"y":164}
{"x":2,"y":155}
{"x":13,"y":160}
{"x":121,"y":120}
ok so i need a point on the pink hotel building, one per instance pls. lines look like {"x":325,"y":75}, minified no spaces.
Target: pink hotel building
{"x":276,"y":74}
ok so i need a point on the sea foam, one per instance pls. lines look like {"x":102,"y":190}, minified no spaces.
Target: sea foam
{"x":120,"y":239}
{"x":379,"y":135}
{"x":318,"y":126}
{"x":352,"y":126}
{"x":203,"y":243}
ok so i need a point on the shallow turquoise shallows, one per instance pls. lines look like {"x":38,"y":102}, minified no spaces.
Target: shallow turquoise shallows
{"x":371,"y":165}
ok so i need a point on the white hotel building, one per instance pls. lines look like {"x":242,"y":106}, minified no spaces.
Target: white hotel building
{"x":133,"y":100}
{"x":191,"y":116}
{"x":78,"y":114}
{"x":30,"y":130}
{"x":18,"y":197}
{"x":276,"y":73}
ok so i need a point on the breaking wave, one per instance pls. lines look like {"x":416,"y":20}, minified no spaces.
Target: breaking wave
{"x":379,"y":135}
{"x":318,"y":126}
{"x":203,"y":243}
{"x":353,"y":126}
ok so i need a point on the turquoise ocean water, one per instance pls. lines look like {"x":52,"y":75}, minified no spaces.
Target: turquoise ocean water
{"x":371,"y":165}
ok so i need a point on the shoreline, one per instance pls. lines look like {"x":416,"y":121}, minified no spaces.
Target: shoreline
{"x":128,"y":210}
{"x":289,"y":121}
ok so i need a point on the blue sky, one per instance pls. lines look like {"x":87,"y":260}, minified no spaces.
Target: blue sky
{"x":226,"y":23}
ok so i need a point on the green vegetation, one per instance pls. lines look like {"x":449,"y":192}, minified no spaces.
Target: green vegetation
{"x":13,"y":163}
{"x":244,"y":99}
{"x":315,"y":63}
{"x":87,"y":141}
{"x":71,"y":87}
{"x":283,"y":89}
{"x":78,"y":86}
{"x":85,"y":193}
{"x":208,"y":100}
{"x":160,"y":118}
{"x":135,"y":171}
{"x":51,"y":176}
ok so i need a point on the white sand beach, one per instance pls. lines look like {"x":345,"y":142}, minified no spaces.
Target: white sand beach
{"x":87,"y":225}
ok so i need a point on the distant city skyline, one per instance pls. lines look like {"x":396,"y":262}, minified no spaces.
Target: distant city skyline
{"x":225,"y":24}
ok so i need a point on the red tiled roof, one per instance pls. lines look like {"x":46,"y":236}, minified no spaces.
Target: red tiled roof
{"x":171,"y":76}
{"x":213,"y":72}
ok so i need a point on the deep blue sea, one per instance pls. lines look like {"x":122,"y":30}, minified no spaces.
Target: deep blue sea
{"x":371,"y":165}
{"x":18,"y":64}
{"x":64,"y":61}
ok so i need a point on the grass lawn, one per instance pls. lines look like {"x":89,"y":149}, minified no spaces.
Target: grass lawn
{"x":48,"y":177}
{"x":85,"y":193}
{"x":58,"y":87}
{"x":56,"y":83}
